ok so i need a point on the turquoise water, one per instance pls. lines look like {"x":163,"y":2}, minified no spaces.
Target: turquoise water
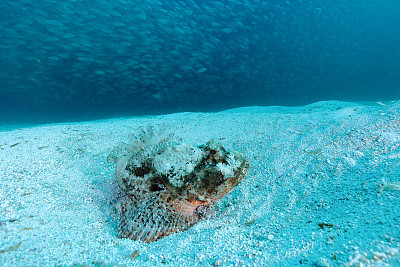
{"x":79,"y":60}
{"x":323,"y":187}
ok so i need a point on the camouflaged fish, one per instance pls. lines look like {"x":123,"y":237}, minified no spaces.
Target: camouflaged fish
{"x":169,"y":184}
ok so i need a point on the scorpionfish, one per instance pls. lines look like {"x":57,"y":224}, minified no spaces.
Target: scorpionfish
{"x":169,"y":184}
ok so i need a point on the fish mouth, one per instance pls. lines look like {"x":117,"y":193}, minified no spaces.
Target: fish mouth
{"x":187,"y":206}
{"x":195,"y":203}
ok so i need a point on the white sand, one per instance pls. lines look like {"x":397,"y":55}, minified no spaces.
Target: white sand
{"x":323,"y":190}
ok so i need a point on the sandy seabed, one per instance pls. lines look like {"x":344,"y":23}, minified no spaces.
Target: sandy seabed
{"x":323,"y":190}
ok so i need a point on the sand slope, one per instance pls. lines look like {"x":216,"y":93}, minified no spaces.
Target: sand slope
{"x":323,"y":190}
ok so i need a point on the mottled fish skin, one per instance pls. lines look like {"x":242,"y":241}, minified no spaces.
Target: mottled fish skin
{"x":169,"y":183}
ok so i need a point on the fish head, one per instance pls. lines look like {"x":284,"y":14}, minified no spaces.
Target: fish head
{"x":216,"y":174}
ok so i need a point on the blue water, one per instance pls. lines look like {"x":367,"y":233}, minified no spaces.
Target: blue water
{"x":77,"y":60}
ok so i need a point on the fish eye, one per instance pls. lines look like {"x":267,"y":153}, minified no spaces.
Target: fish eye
{"x":156,"y":188}
{"x":212,"y":151}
